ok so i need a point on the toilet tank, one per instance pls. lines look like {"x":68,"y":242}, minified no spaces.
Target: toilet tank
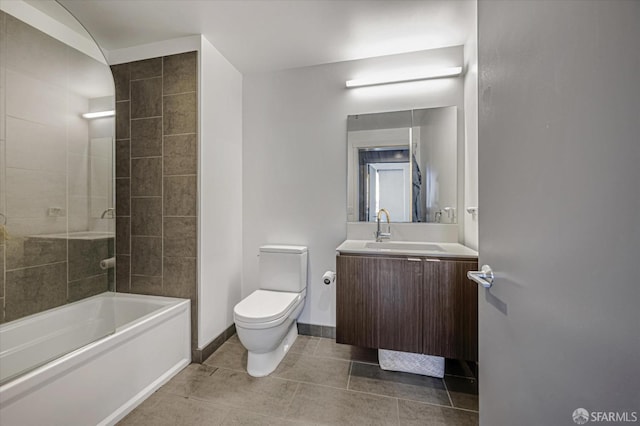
{"x":283,"y":268}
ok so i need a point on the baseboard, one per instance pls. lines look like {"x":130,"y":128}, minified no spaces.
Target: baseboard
{"x":317,"y":330}
{"x":200,"y":355}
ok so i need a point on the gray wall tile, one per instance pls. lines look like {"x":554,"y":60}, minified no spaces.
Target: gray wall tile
{"x":123,"y":235}
{"x":121,"y":79}
{"x":180,"y":73}
{"x":123,"y":273}
{"x":85,"y":257}
{"x":180,"y":236}
{"x":180,"y":114}
{"x":146,"y":256}
{"x":22,"y":252}
{"x":123,"y":155}
{"x":122,"y":120}
{"x":87,"y":287}
{"x":180,"y":194}
{"x":146,"y":98}
{"x":179,"y":277}
{"x":145,"y":223}
{"x":123,"y":197}
{"x":146,"y":137}
{"x":180,"y":155}
{"x":147,"y":68}
{"x":146,"y":285}
{"x":48,"y":282}
{"x":146,"y":216}
{"x":146,"y":177}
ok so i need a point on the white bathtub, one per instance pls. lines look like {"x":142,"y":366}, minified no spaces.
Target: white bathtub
{"x":108,"y":376}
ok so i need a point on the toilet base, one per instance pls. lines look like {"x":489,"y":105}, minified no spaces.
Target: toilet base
{"x":260,"y":365}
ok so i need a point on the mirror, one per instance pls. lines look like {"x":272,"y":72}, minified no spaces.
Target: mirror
{"x":405,"y":162}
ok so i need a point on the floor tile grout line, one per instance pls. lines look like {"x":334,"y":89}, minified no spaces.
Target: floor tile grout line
{"x":448,"y":393}
{"x":349,"y":379}
{"x":300,"y":382}
{"x":293,"y":380}
{"x":317,"y":346}
{"x":286,"y":411}
{"x":349,"y":390}
{"x":231,"y":406}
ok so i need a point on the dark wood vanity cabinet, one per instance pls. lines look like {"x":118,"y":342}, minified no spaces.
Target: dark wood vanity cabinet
{"x":420,"y":305}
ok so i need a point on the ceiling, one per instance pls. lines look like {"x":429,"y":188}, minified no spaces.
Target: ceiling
{"x":267,"y":35}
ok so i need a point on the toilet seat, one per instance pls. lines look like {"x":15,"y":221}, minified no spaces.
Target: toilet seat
{"x":266,"y":308}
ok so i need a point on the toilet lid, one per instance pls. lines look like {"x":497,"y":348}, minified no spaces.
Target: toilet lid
{"x":265,"y":305}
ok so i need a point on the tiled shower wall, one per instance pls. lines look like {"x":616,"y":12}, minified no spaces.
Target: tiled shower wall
{"x":156,"y":178}
{"x":46,"y":172}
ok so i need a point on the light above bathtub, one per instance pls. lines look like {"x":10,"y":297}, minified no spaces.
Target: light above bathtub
{"x":99,"y":114}
{"x":405,"y":76}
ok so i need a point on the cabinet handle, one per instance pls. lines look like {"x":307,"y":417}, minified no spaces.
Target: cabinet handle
{"x":414,"y":259}
{"x":433,"y":260}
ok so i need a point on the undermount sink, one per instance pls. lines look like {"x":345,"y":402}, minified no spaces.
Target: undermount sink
{"x":408,"y":248}
{"x":403,"y":246}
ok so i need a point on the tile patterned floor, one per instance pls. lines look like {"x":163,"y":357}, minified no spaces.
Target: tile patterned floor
{"x":319,"y":382}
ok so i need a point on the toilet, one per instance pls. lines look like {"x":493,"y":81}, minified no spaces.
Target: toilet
{"x":266,"y":319}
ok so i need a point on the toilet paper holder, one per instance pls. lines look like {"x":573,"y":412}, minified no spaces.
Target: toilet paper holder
{"x":108,"y":263}
{"x":329,"y":277}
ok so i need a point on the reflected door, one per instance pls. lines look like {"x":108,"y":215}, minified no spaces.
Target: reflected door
{"x":389,"y":188}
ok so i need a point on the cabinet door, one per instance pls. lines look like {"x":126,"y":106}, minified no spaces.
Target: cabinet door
{"x":450,"y":310}
{"x":356,"y":301}
{"x":400,"y":304}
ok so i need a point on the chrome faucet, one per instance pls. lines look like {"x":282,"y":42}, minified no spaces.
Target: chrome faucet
{"x":110,"y":212}
{"x":383,"y":235}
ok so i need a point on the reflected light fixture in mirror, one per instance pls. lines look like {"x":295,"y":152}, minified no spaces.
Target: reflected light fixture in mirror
{"x":405,"y":76}
{"x":98,"y":114}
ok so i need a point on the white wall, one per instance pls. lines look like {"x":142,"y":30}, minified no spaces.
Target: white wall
{"x":470,"y":221}
{"x":220,"y":193}
{"x":295,"y":156}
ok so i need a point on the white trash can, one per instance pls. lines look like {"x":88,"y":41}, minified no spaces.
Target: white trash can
{"x":427,"y":365}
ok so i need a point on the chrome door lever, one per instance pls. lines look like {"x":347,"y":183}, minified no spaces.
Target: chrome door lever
{"x":483,"y":277}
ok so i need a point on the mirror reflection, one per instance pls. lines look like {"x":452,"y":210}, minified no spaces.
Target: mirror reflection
{"x":404,"y":162}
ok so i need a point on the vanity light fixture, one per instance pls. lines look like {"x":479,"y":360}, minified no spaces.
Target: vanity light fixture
{"x":99,"y":114}
{"x":414,"y":75}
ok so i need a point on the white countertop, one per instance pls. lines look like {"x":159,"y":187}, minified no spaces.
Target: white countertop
{"x":411,"y":248}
